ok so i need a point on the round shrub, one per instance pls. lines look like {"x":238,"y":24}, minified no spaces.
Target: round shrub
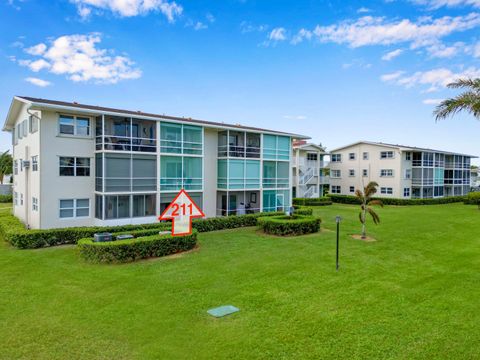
{"x":137,"y":248}
{"x":285,"y":225}
{"x":473,"y":198}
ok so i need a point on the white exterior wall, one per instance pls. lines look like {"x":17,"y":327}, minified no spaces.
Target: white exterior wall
{"x":27,"y":183}
{"x":56,"y":187}
{"x":210,"y":172}
{"x":374,"y":164}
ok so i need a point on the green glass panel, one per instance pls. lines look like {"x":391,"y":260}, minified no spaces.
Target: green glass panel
{"x":171,"y":173}
{"x":252,"y":175}
{"x":269,"y":200}
{"x":269,"y":146}
{"x":269,"y":174}
{"x":283,"y":147}
{"x":192,"y":173}
{"x":236,"y":174}
{"x":192,"y":140}
{"x":170,"y":138}
{"x":283,"y":175}
{"x":222,"y":174}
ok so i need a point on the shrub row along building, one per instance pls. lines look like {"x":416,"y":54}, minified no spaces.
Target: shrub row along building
{"x":83,"y":165}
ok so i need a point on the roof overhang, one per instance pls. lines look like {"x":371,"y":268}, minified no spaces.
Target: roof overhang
{"x":39,"y":105}
{"x":13,"y":111}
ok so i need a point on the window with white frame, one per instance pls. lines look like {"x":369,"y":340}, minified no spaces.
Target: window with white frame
{"x":19,"y":131}
{"x":335,"y":173}
{"x":33,"y":124}
{"x":74,"y":166}
{"x":365,"y":172}
{"x":351,"y":156}
{"x":336,"y":189}
{"x":74,"y":208}
{"x":408,"y":156}
{"x":34,"y":204}
{"x":336,"y":157}
{"x":74,"y":125}
{"x":35,"y":163}
{"x":386,"y":190}
{"x":352,"y":189}
{"x":408,"y":173}
{"x":351,"y":172}
{"x":15,"y":167}
{"x":365,"y":156}
{"x":21,"y":199}
{"x":406,"y":192}
{"x":312,"y":156}
{"x":15,"y":198}
{"x":386,"y":155}
{"x":386,"y":173}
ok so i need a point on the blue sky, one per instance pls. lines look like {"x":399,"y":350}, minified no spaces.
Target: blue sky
{"x":338,"y":71}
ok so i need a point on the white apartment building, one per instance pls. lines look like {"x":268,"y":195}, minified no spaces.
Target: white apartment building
{"x":84,"y":165}
{"x":309,"y":178}
{"x":400,"y":171}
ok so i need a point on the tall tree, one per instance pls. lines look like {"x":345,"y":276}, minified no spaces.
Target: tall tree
{"x":365,"y":198}
{"x":6,"y":165}
{"x":468,"y":101}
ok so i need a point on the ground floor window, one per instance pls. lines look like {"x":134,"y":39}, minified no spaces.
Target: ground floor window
{"x":73,"y":208}
{"x":143,"y":205}
{"x":406,"y":192}
{"x":34,"y":204}
{"x":336,"y":189}
{"x":15,"y":198}
{"x":352,"y":189}
{"x":167,"y":198}
{"x":276,"y":200}
{"x":386,"y":190}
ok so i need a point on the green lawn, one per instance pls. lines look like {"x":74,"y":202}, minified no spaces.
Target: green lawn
{"x":412,"y":294}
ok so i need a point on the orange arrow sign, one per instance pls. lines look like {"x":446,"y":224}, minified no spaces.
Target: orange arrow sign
{"x":181,"y":211}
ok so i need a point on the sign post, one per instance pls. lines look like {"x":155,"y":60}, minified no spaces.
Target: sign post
{"x":181,"y":211}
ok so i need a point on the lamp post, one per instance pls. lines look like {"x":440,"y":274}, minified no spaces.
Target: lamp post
{"x":337,"y":220}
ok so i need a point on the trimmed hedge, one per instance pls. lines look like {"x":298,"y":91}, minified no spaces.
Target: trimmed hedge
{"x":321,"y":201}
{"x":302,"y":210}
{"x":121,"y":251}
{"x":6,"y":198}
{"x":13,"y":231}
{"x":472,"y":198}
{"x":294,"y":225}
{"x":349,"y":199}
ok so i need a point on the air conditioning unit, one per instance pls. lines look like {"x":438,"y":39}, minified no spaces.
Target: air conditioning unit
{"x":26,"y":163}
{"x":102,"y":237}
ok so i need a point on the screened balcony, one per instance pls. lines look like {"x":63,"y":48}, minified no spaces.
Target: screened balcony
{"x":238,"y":202}
{"x":125,"y":134}
{"x":238,"y":144}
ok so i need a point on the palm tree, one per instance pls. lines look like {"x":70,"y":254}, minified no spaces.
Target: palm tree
{"x":365,"y":198}
{"x":6,"y":164}
{"x":468,"y":101}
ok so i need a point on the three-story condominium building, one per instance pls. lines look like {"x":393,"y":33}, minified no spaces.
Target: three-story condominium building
{"x":400,"y":171}
{"x":83,"y":165}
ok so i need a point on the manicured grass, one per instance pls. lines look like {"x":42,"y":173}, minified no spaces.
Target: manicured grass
{"x":413,"y":294}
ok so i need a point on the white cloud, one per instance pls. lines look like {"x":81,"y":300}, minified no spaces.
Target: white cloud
{"x":435,"y":78}
{"x":199,"y":26}
{"x":436,"y":4}
{"x":294,"y":117}
{"x":38,"y":82}
{"x":246,"y":27}
{"x":277,"y":34}
{"x":432,"y":101}
{"x":392,"y":76}
{"x":476,"y":50}
{"x":363,"y":10}
{"x":302,"y":34}
{"x":37,"y":49}
{"x":392,"y":54}
{"x":440,"y":50}
{"x":128,"y":8}
{"x":210,"y":18}
{"x":370,"y":30}
{"x":79,"y":58}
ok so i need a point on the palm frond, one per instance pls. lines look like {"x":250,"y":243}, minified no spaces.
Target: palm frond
{"x":468,"y":101}
{"x":375,"y":217}
{"x":359,"y":194}
{"x":370,"y":189}
{"x":465,"y":83}
{"x":376,"y":202}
